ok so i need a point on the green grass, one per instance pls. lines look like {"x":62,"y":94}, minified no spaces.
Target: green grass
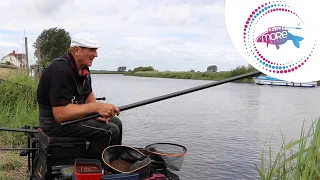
{"x":17,"y":107}
{"x":297,"y":159}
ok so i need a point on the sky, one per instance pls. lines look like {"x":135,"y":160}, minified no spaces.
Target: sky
{"x":174,"y":35}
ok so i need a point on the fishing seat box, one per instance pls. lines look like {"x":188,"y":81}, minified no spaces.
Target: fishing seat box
{"x":55,"y":153}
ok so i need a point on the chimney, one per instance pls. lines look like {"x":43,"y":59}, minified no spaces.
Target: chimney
{"x":14,"y":52}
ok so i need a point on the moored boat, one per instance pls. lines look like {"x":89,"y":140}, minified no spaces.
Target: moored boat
{"x":267,"y":80}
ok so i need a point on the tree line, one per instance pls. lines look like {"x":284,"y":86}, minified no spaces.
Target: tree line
{"x":55,"y":41}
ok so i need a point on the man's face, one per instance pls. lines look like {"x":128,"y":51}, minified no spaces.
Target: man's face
{"x":86,"y":56}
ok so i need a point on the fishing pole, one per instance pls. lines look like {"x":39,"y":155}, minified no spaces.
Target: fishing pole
{"x":167,"y":96}
{"x":19,"y":130}
{"x":24,"y":130}
{"x":31,"y":131}
{"x":18,"y":149}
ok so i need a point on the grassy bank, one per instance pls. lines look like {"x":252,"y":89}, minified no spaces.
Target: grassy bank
{"x":104,"y":72}
{"x":216,"y":76}
{"x":17,"y":107}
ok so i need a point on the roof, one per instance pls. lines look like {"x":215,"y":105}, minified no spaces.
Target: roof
{"x":19,"y":56}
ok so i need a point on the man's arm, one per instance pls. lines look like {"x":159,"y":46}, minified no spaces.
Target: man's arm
{"x":73,"y":111}
{"x":91,"y":98}
{"x":61,"y":95}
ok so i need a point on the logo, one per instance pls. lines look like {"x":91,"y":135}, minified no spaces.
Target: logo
{"x":73,"y":100}
{"x":279,"y":35}
{"x":279,"y":38}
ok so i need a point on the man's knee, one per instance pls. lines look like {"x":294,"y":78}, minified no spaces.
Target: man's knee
{"x":115,"y":130}
{"x":101,"y":132}
{"x":115,"y":120}
{"x":99,"y":129}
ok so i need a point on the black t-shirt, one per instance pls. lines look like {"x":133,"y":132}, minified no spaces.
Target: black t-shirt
{"x":57,"y":85}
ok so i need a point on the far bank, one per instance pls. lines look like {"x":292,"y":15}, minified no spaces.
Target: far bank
{"x":215,"y":76}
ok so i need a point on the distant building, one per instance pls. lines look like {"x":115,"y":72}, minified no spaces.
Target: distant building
{"x":122,"y":68}
{"x":18,"y":60}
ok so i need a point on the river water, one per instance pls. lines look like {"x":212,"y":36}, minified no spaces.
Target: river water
{"x":224,"y":128}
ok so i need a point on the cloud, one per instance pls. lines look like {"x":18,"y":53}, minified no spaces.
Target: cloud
{"x":168,"y":34}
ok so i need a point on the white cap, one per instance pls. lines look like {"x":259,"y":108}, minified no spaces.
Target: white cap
{"x":85,"y":40}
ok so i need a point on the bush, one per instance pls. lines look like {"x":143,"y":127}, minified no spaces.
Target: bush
{"x":138,"y":69}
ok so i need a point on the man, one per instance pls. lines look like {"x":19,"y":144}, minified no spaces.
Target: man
{"x":65,"y":93}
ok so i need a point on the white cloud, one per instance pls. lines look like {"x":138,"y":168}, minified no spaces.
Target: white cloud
{"x":169,"y":35}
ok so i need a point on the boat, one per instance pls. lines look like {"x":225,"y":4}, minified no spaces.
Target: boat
{"x":267,"y":80}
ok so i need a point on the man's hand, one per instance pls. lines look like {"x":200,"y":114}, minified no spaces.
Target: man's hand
{"x":106,"y":120}
{"x":107,"y":111}
{"x":77,"y":111}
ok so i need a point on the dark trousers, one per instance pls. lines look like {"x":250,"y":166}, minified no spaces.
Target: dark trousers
{"x":99,"y":134}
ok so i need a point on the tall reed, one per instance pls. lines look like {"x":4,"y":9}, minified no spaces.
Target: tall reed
{"x":298,"y":159}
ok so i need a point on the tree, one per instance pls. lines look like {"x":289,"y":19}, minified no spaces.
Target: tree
{"x":149,"y":68}
{"x":53,"y":43}
{"x":212,"y":68}
{"x":192,"y":70}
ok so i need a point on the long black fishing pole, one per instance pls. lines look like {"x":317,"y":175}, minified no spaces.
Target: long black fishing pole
{"x":18,"y":149}
{"x":167,"y":96}
{"x":19,"y":130}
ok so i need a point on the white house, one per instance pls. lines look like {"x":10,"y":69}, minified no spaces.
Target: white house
{"x":18,"y":60}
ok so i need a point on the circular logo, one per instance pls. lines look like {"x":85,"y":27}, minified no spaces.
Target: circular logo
{"x":278,"y":38}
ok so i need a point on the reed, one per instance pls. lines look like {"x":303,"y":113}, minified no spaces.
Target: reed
{"x":18,"y":107}
{"x":297,"y":159}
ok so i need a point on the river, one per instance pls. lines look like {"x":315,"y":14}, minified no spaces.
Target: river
{"x":224,"y":128}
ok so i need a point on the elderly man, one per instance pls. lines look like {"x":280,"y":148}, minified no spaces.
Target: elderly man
{"x":65,"y":93}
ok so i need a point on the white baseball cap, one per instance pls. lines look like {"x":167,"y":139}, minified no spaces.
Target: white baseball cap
{"x":85,"y":40}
